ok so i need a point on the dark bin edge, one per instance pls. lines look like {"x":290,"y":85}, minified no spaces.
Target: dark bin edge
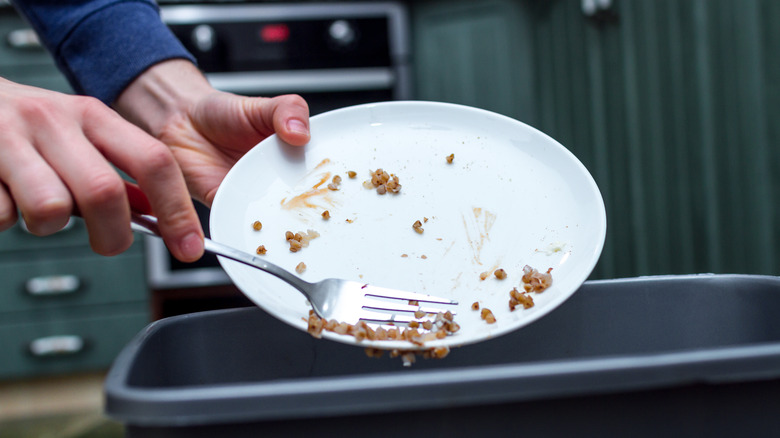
{"x":321,"y":397}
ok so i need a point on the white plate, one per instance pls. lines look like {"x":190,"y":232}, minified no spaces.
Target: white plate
{"x":512,"y":197}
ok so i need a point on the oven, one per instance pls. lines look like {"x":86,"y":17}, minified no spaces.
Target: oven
{"x":332,"y":54}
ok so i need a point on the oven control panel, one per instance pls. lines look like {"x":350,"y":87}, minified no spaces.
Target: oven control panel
{"x":241,"y":37}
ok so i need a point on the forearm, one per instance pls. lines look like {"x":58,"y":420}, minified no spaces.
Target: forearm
{"x":102,"y":45}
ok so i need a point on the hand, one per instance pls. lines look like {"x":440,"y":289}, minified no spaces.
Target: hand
{"x":55,"y":151}
{"x":208,"y":130}
{"x":222,"y":127}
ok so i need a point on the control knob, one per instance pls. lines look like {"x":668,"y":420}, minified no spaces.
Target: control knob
{"x":204,"y":38}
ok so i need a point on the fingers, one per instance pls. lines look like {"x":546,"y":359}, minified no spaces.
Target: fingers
{"x":93,"y":184}
{"x":158,"y":175}
{"x":161,"y":180}
{"x":103,"y":205}
{"x":41,"y":196}
{"x":55,"y":155}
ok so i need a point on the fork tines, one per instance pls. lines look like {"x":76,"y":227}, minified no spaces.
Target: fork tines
{"x":382,"y":292}
{"x":379,"y":302}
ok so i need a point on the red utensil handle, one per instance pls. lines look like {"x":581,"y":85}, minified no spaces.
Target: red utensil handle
{"x":139,"y":203}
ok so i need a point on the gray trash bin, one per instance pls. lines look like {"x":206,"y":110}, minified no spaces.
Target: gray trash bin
{"x":659,"y":356}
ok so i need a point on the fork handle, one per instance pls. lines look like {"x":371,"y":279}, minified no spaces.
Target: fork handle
{"x":147,"y":224}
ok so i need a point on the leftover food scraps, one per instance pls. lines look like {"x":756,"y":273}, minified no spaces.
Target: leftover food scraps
{"x":383,"y":182}
{"x":300,"y":239}
{"x":487,"y":316}
{"x":440,"y":327}
{"x":335,"y":183}
{"x":536,"y":281}
{"x":517,"y":298}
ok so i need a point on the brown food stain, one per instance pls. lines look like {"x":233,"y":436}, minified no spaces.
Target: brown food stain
{"x":447,"y":251}
{"x":323,"y":179}
{"x":456,"y":282}
{"x":307,"y":198}
{"x":484,"y":223}
{"x":322,"y":163}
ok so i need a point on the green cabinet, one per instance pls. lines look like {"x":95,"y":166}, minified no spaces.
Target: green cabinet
{"x":61,"y":279}
{"x":80,"y":339}
{"x":64,"y":308}
{"x":672,"y":106}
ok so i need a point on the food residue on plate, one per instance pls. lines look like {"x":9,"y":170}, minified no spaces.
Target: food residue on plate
{"x":553,"y":248}
{"x":516,"y":298}
{"x":483,"y":221}
{"x":300,"y":239}
{"x":307,"y":198}
{"x":423,"y":329}
{"x":383,"y":182}
{"x":487,"y":316}
{"x":334,"y":183}
{"x":533,"y":281}
{"x":536,"y":281}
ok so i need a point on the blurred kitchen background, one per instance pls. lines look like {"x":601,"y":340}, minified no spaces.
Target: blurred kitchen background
{"x":673,"y":106}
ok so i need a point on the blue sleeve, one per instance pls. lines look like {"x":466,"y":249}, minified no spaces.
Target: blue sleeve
{"x":102,"y":45}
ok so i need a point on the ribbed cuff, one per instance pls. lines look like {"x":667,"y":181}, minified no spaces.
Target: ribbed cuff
{"x":114,"y":45}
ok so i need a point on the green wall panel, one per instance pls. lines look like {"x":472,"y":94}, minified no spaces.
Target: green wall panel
{"x":672,"y":105}
{"x":475,"y":53}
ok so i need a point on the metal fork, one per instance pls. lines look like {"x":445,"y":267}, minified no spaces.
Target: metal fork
{"x":342,"y":300}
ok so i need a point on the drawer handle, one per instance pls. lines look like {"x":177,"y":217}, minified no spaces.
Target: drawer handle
{"x":57,"y":345}
{"x":23,"y":39}
{"x":53,"y":285}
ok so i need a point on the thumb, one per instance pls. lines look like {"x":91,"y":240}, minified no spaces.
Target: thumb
{"x":290,"y":115}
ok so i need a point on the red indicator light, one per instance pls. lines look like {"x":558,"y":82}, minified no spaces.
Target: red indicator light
{"x":275,"y":33}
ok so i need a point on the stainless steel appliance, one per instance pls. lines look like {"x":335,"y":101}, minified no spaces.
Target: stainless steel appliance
{"x":332,"y":54}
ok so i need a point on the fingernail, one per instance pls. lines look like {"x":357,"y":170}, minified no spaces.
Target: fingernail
{"x":297,"y":126}
{"x":191,"y":246}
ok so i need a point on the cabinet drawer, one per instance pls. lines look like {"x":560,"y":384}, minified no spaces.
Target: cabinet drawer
{"x":61,"y":346}
{"x":45,"y":283}
{"x":19,"y":239}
